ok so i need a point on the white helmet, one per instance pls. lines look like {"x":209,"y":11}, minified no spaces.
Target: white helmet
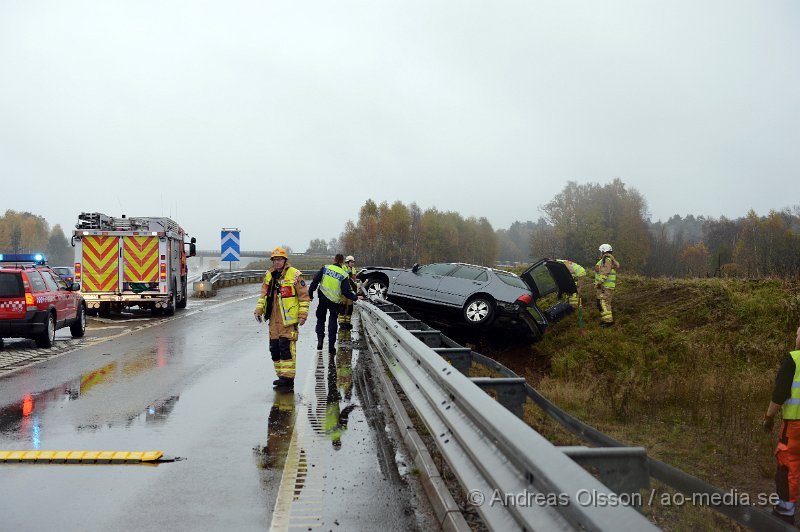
{"x":605,"y":248}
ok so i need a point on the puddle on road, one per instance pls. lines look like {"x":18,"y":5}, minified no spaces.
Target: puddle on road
{"x":24,"y":420}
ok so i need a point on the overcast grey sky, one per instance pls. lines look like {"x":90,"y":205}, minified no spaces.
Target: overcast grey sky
{"x":282,"y":118}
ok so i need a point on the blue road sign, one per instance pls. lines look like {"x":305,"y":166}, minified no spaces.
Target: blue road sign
{"x":230,"y":245}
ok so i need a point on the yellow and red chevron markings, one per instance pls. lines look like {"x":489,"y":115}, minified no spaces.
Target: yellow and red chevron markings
{"x":140,"y":263}
{"x":100,"y":263}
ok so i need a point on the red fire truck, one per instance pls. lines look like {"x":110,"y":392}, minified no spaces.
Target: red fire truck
{"x":131,"y":262}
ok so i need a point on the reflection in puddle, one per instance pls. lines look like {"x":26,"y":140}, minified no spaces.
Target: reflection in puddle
{"x":340,"y":377}
{"x":23,"y":421}
{"x":280,"y":425}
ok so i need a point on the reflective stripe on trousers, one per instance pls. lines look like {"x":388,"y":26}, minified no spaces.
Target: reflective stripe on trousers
{"x":604,"y":297}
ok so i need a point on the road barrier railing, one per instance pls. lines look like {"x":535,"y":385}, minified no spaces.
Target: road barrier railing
{"x":212,"y":280}
{"x":491,"y":449}
{"x":514,"y":477}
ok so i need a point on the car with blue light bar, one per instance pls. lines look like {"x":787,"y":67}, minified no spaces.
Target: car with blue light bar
{"x":482,"y":295}
{"x":35,"y":301}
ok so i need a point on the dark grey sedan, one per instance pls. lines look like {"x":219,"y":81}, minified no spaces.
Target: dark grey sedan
{"x":481,"y":294}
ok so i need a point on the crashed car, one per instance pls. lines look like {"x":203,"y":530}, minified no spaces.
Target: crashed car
{"x":482,"y":295}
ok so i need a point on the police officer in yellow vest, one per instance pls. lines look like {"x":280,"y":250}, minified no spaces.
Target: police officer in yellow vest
{"x":333,"y":282}
{"x":605,"y":281}
{"x":284,"y":303}
{"x":786,"y":397}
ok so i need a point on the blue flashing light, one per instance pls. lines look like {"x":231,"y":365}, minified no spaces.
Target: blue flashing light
{"x":37,"y":258}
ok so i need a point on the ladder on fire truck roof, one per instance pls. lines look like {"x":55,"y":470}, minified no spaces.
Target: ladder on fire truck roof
{"x":103,"y":222}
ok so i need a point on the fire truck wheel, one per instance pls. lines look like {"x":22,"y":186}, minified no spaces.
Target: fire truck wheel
{"x":170,"y":310}
{"x":182,"y":302}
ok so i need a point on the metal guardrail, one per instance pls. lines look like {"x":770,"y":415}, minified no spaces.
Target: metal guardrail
{"x":519,"y":478}
{"x":467,"y":430}
{"x":212,"y":279}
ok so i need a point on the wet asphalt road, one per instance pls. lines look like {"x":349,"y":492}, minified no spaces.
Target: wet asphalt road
{"x":199,"y":386}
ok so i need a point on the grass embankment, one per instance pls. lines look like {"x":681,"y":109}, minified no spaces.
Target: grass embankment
{"x":687,"y":372}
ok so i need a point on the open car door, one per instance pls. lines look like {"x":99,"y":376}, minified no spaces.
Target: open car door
{"x":545,"y":277}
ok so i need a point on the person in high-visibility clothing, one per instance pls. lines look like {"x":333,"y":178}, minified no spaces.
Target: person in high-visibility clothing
{"x":345,"y":317}
{"x":333,"y":283}
{"x":284,"y":303}
{"x":577,"y":271}
{"x":605,"y":281}
{"x":786,"y":397}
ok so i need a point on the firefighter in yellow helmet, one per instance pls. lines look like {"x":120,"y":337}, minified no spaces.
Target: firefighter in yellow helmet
{"x":346,"y":315}
{"x":605,"y":281}
{"x":284,"y":303}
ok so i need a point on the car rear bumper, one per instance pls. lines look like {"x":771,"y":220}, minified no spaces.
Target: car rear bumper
{"x":34,"y":322}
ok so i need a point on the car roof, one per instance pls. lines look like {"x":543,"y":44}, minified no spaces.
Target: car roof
{"x":482,"y":267}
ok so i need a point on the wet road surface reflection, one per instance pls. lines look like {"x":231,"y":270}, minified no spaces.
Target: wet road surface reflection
{"x":24,"y":421}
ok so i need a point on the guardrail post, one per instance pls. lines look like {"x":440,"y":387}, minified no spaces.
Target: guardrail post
{"x":625,"y":470}
{"x":510,"y":392}
{"x":430,"y":337}
{"x":459,"y":357}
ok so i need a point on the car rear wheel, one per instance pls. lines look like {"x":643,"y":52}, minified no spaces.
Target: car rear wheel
{"x":479,"y":311}
{"x":376,"y":287}
{"x":48,"y":336}
{"x":78,"y":327}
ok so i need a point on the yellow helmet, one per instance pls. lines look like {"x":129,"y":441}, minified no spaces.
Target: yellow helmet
{"x":279,"y":252}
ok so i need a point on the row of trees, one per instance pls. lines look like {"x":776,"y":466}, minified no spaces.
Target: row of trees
{"x":23,"y":232}
{"x":751,"y":246}
{"x":399,"y":235}
{"x":583,"y":216}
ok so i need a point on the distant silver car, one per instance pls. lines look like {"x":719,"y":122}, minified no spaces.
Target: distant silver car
{"x":482,"y":294}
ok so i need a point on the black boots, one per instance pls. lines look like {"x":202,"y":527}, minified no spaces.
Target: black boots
{"x":319,"y":342}
{"x":283,"y":382}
